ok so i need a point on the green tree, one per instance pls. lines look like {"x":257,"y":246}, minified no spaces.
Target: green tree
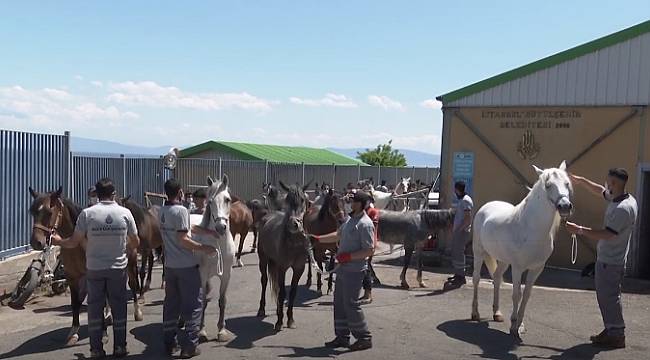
{"x":383,"y":155}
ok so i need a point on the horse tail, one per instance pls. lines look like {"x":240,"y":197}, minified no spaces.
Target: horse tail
{"x":477,"y":246}
{"x":273,"y":271}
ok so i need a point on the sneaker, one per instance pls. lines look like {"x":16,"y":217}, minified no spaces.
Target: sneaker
{"x":171,"y":350}
{"x":338,"y":342}
{"x":608,"y":341}
{"x":458,"y":280}
{"x":97,"y":354}
{"x":190,"y":353}
{"x":360,"y":345}
{"x":120,"y":352}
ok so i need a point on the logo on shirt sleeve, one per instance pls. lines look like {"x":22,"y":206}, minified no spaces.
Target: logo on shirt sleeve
{"x":109,"y":220}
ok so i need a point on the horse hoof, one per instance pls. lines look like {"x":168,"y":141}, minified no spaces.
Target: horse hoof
{"x":498,"y":318}
{"x":261,"y":314}
{"x":239,"y":263}
{"x":224,"y":336}
{"x":291,"y":325}
{"x":203,"y":336}
{"x":422,"y":284}
{"x":522,"y":329}
{"x":253,"y":250}
{"x":278,"y":326}
{"x":476,"y":317}
{"x":516,"y":335}
{"x":141,"y":300}
{"x":320,"y":292}
{"x":72,"y":340}
{"x":138,"y":315}
{"x":405,"y":286}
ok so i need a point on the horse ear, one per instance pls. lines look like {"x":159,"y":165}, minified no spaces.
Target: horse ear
{"x":224,"y":180}
{"x":33,"y":193}
{"x":563,"y":165}
{"x":283,"y":186}
{"x":538,"y":170}
{"x":210,"y":181}
{"x":57,"y":193}
{"x":330,"y":191}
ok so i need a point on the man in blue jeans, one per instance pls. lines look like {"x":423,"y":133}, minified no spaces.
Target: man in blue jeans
{"x":183,"y":291}
{"x":613,"y":245}
{"x":106,"y":229}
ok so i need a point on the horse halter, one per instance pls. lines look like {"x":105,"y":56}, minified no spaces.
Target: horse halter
{"x":53,"y":225}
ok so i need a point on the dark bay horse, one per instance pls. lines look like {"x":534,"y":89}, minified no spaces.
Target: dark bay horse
{"x":54,"y":213}
{"x":320,"y":220}
{"x":150,"y":239}
{"x":259,"y":211}
{"x":283,"y":245}
{"x":411,"y":228}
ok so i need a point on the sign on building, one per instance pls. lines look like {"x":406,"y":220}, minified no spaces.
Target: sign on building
{"x":463,"y":169}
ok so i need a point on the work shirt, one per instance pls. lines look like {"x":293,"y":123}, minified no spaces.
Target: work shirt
{"x":106,"y":226}
{"x":175,"y":218}
{"x":373,"y":214}
{"x":356,"y":233}
{"x":620,"y":218}
{"x":464,"y":204}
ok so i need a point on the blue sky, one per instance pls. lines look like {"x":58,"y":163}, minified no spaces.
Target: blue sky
{"x":326,"y":73}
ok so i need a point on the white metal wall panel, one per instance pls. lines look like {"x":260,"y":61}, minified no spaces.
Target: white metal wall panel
{"x":616,"y":75}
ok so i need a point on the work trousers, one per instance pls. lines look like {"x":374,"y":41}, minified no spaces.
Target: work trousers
{"x":608,"y":292}
{"x":102,"y":285}
{"x":459,"y":242}
{"x":184,"y":299}
{"x":348,"y":316}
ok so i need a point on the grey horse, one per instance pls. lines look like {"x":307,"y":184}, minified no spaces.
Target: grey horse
{"x":283,"y":245}
{"x":411,"y":228}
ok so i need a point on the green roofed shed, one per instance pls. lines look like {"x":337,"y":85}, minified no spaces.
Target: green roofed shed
{"x":272,"y":153}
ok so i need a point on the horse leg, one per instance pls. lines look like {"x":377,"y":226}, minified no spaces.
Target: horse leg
{"x":478,"y":263}
{"x":203,"y":334}
{"x":75,"y":302}
{"x":264,"y":279}
{"x":516,"y":298}
{"x":330,"y":279}
{"x":291,"y":324}
{"x":281,"y":274}
{"x":132,"y":269}
{"x":162,"y":260}
{"x":319,"y":278}
{"x":373,"y":274}
{"x":222,"y":333}
{"x":408,"y":253}
{"x":147,"y":286}
{"x":531,"y":277}
{"x":143,"y":272}
{"x":498,"y":279}
{"x":254,"y":247}
{"x":308,"y":283}
{"x":239,"y":263}
{"x":418,"y":253}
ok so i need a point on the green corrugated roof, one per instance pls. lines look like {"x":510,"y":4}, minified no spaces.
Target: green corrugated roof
{"x":547,"y":62}
{"x":273,"y":153}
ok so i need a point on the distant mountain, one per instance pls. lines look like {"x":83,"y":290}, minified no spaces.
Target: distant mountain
{"x":83,"y":145}
{"x":413,"y":157}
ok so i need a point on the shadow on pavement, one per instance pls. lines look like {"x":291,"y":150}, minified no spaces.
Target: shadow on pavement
{"x":301,"y":353}
{"x":582,"y":351}
{"x":151,"y":336}
{"x":45,"y":343}
{"x":248,"y":330}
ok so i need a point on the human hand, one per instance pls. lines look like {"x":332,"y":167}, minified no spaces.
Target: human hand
{"x":573,"y":228}
{"x":56,"y":239}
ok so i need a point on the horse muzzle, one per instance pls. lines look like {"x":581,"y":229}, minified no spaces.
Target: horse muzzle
{"x":565,"y":208}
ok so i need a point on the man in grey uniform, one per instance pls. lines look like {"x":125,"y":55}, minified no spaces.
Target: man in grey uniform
{"x":356,"y":245}
{"x":461,"y":232}
{"x":613,"y":246}
{"x":104,"y":229}
{"x":183,"y":291}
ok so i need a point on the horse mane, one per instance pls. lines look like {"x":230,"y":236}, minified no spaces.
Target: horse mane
{"x":135,"y":208}
{"x":324,"y":208}
{"x":293,"y":198}
{"x":437,"y":219}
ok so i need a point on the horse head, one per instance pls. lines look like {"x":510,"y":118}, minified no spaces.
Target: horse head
{"x":47,"y":209}
{"x":403,"y":186}
{"x":217,"y":208}
{"x":296,"y":205}
{"x":557,"y":185}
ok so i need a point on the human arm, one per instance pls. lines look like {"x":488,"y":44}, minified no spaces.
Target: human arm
{"x":330,"y":238}
{"x":75,"y":240}
{"x":367,"y":246}
{"x":615,"y":223}
{"x":591,"y":186}
{"x":589,"y":233}
{"x":184,"y":238}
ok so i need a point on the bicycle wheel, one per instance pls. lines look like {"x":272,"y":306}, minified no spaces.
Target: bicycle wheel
{"x":26,"y":285}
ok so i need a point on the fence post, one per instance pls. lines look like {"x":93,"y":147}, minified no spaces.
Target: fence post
{"x":220,"y":169}
{"x":358,"y":173}
{"x":426,"y":174}
{"x":123,"y":175}
{"x":413,"y":174}
{"x":303,"y":174}
{"x":333,"y":176}
{"x":68,"y":173}
{"x":379,"y":173}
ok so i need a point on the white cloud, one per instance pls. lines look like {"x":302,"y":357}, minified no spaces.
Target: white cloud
{"x":149,"y":93}
{"x":78,"y":77}
{"x":385,"y":103}
{"x":97,"y":83}
{"x":431,"y":104}
{"x":55,"y":108}
{"x":330,"y":100}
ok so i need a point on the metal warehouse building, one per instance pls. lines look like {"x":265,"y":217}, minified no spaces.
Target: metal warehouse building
{"x":587,"y":105}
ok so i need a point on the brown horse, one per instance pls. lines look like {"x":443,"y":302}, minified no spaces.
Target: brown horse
{"x":150,"y":238}
{"x":54,"y":213}
{"x":259,"y":211}
{"x":241,"y":221}
{"x":321,"y":220}
{"x":283,"y":245}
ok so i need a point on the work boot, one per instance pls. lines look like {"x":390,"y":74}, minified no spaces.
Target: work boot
{"x":97,"y":354}
{"x":190,"y":353}
{"x":457,"y":281}
{"x":366,"y":298}
{"x":609,"y":341}
{"x":120,"y":352}
{"x":338,"y":342}
{"x":361,"y":344}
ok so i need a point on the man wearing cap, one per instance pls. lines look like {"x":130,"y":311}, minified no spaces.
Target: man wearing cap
{"x":461,"y":234}
{"x":613,"y":246}
{"x":199,"y":196}
{"x":106,"y":229}
{"x":355,"y":247}
{"x":183,"y":291}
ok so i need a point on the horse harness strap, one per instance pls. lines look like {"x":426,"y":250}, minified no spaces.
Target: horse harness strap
{"x":57,"y":219}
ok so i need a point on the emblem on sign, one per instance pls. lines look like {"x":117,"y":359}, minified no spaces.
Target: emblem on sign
{"x":527,"y":147}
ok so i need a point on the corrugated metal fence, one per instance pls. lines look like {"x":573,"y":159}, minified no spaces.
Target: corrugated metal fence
{"x":45,"y":163}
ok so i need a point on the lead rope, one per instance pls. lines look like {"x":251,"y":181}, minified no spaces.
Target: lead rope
{"x":574,"y":248}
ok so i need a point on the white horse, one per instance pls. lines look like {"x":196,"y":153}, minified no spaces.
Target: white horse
{"x":522,"y":237}
{"x":383,"y":200}
{"x":216,"y":220}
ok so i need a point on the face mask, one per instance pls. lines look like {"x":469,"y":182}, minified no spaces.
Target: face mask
{"x":607,"y":189}
{"x":460,"y":196}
